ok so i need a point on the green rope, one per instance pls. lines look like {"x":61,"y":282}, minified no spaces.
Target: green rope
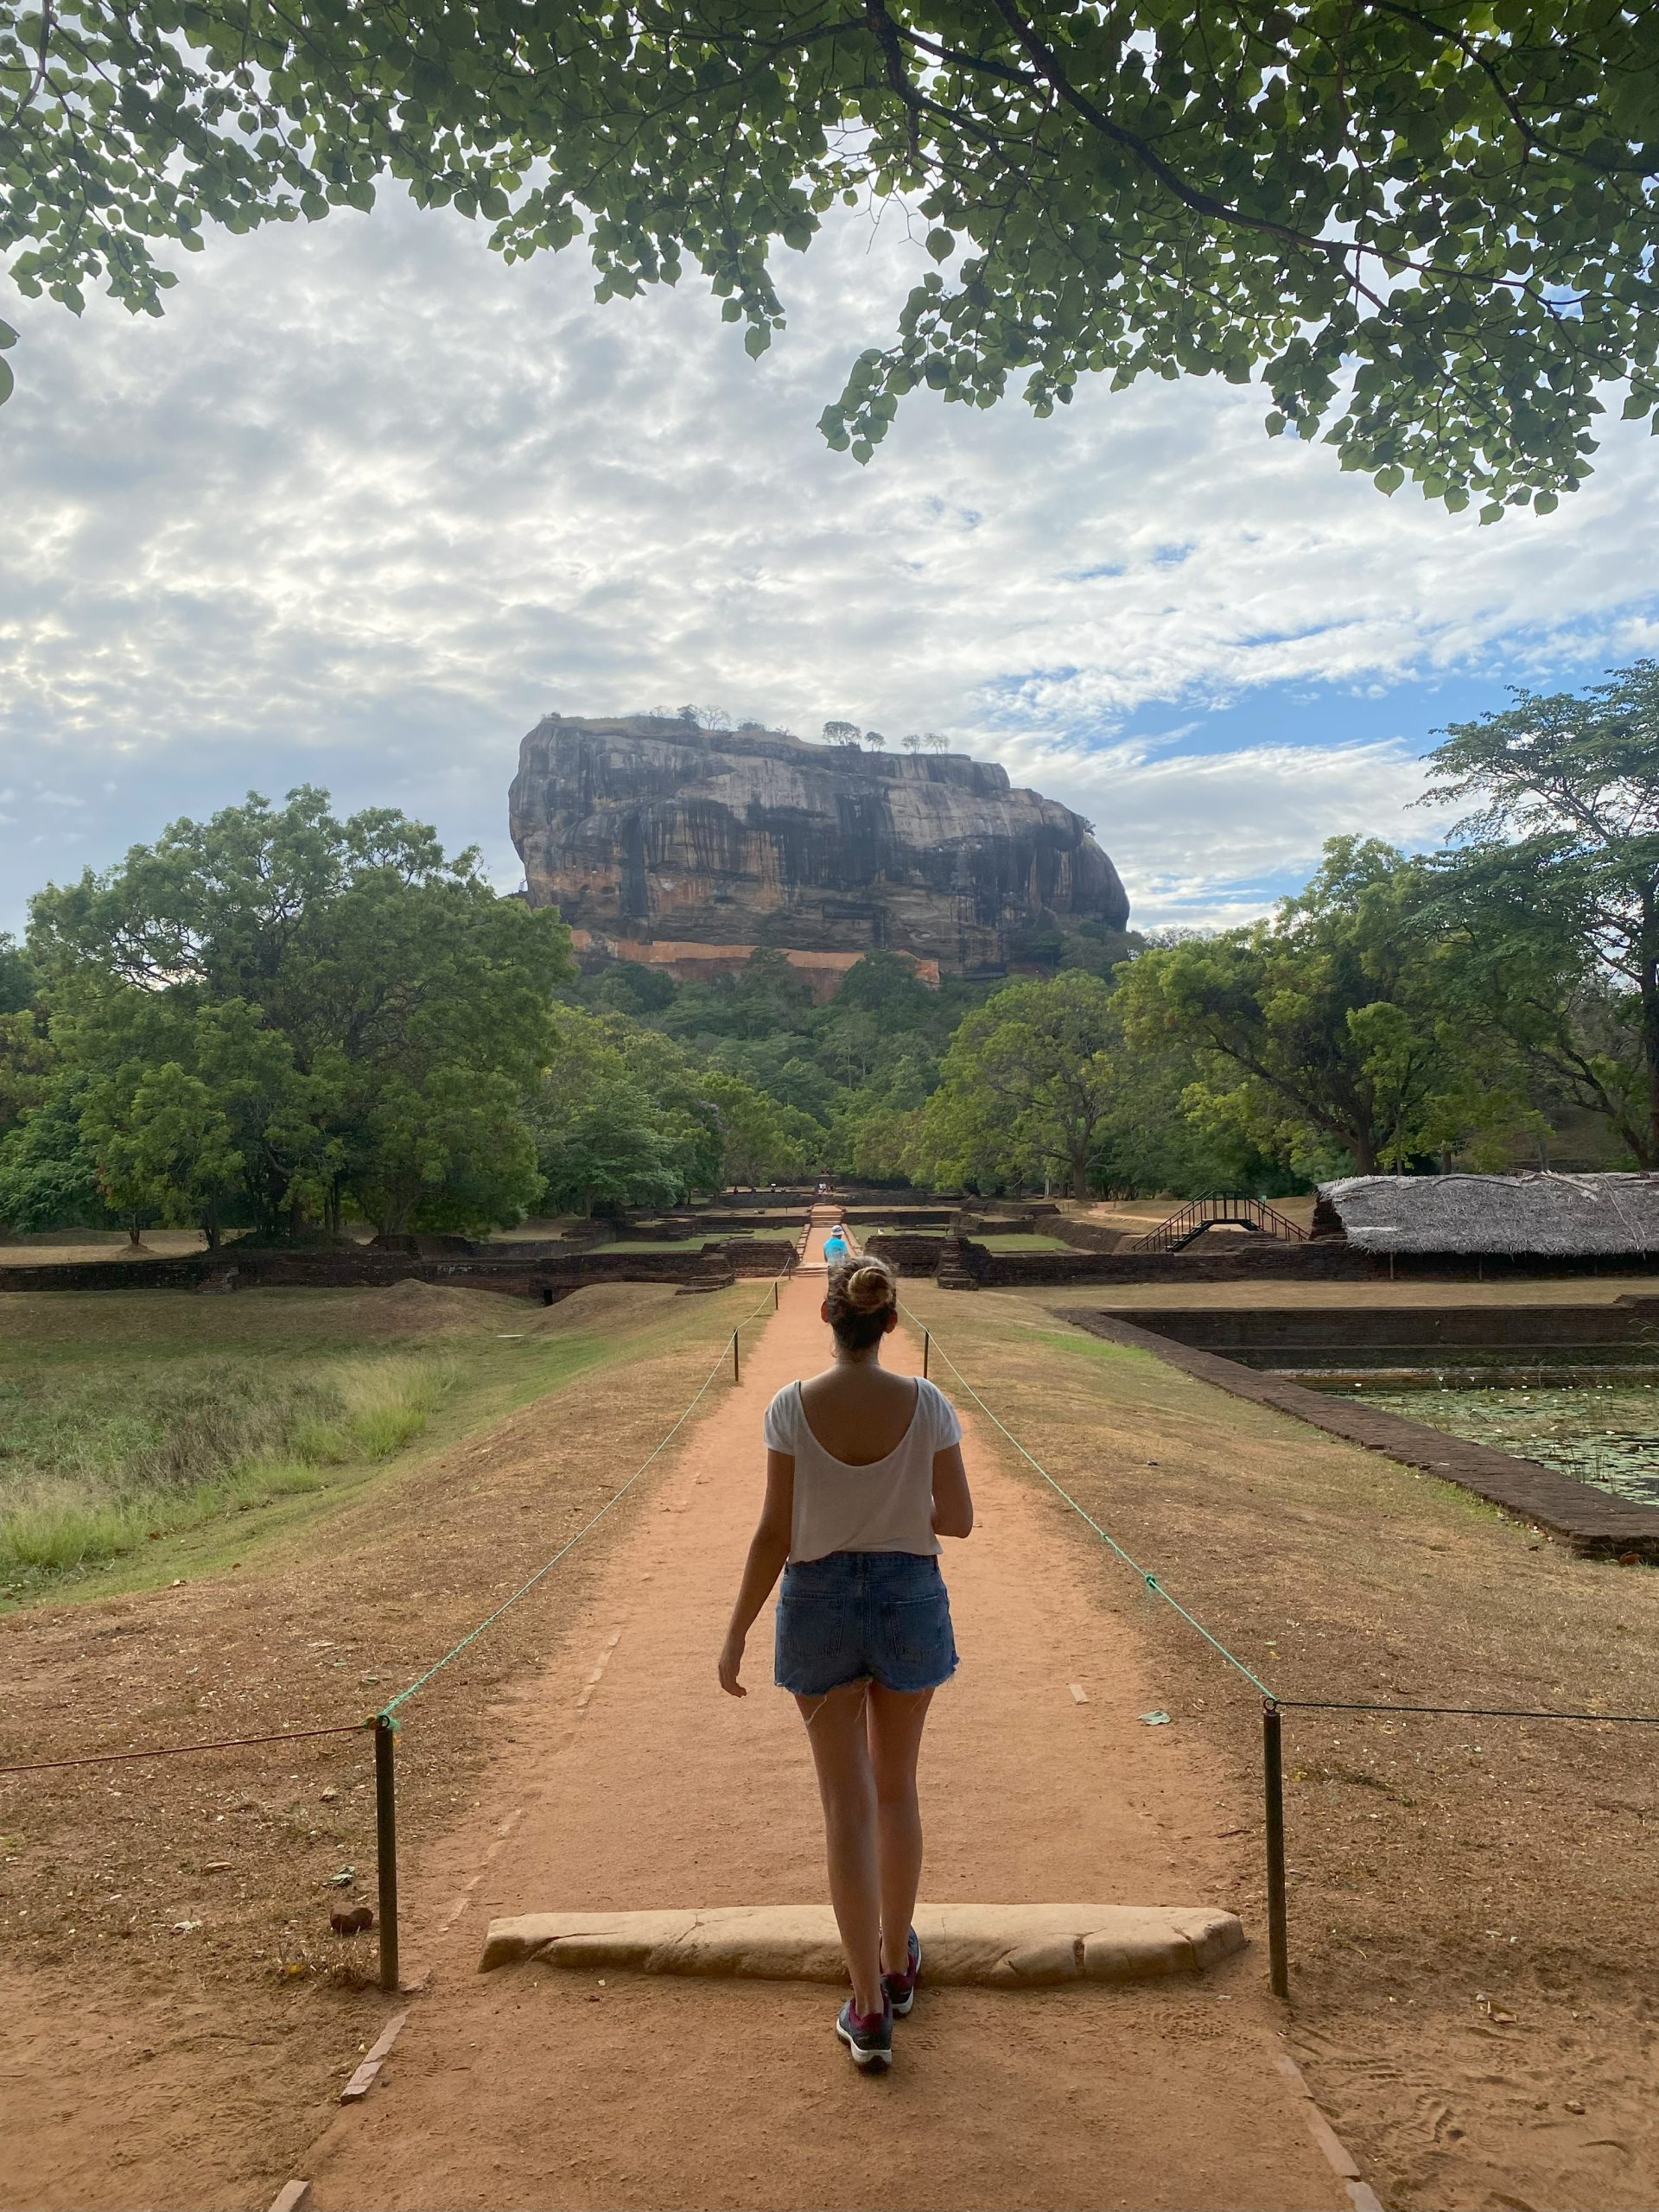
{"x":389,"y":1709}
{"x":1106,"y":1537}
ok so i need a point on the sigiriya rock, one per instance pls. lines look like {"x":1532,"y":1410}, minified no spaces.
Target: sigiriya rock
{"x":661,"y":841}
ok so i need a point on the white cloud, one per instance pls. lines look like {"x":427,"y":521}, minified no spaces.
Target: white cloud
{"x":365,"y":503}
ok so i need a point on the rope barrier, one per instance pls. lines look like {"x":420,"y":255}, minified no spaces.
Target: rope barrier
{"x":1463,"y":1712}
{"x":175,"y":1751}
{"x":1293,"y":1704}
{"x":1150,"y":1579}
{"x":1274,"y":1706}
{"x":390,"y":1708}
{"x":383,"y":1724}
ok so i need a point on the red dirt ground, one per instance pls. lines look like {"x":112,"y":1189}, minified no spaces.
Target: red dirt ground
{"x":538,"y":2088}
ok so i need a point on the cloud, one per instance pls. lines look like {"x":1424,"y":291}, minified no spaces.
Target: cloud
{"x":365,"y":503}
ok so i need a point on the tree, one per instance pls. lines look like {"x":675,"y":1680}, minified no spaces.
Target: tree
{"x":836,"y":733}
{"x":874,"y":740}
{"x":1346,"y":1024}
{"x":359,"y":1008}
{"x":171,"y":1154}
{"x":19,"y":978}
{"x":1429,"y":231}
{"x":621,"y":1118}
{"x":912,"y":740}
{"x":1556,"y":893}
{"x":1026,"y":1085}
{"x":48,"y":1173}
{"x":761,"y":1141}
{"x":936,"y":742}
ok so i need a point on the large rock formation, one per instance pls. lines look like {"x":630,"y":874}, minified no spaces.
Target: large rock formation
{"x":661,"y":841}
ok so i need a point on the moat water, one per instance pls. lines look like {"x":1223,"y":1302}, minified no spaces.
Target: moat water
{"x":1607,"y":1434}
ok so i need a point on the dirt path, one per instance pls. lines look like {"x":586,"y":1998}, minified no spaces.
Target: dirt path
{"x":644,"y":1787}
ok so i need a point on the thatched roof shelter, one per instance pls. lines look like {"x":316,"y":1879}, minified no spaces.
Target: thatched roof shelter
{"x":1542,"y":1216}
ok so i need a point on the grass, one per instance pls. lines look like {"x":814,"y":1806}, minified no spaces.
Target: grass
{"x":146,"y":1435}
{"x":99,"y":1458}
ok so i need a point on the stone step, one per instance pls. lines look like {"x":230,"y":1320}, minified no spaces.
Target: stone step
{"x":1002,"y":1946}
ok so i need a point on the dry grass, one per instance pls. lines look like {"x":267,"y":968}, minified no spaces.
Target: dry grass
{"x":1471,"y":1942}
{"x":108,"y":1888}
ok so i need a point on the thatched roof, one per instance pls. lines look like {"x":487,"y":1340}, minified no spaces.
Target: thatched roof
{"x":1550,"y":1216}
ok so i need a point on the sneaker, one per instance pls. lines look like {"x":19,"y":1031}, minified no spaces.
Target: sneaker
{"x":867,"y":2035}
{"x":901,"y":1987}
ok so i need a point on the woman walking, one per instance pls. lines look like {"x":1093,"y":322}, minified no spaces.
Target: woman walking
{"x":864,"y":1475}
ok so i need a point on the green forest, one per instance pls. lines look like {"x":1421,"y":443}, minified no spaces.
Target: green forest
{"x":282,"y":1021}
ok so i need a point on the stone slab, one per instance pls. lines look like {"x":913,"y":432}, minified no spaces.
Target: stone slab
{"x":1002,"y":1946}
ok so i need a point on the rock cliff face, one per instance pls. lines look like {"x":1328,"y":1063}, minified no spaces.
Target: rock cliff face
{"x":663,"y":843}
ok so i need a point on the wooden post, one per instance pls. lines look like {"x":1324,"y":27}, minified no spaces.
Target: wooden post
{"x":385,"y":1844}
{"x":1273,"y":1790}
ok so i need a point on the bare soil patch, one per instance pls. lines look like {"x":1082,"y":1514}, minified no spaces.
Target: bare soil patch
{"x":1473,"y":1955}
{"x":178,"y":2014}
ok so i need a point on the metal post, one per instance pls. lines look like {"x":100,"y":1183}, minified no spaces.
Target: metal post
{"x":385,"y":1845}
{"x":734,"y":1375}
{"x":774,"y":1294}
{"x":1273,"y":1783}
{"x":927,"y":1346}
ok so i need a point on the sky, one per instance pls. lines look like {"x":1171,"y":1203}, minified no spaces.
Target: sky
{"x":365,"y":504}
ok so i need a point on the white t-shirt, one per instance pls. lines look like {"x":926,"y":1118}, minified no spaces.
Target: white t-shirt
{"x":886,"y":1507}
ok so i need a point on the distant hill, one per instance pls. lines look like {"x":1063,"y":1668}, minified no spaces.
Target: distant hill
{"x":663,"y":843}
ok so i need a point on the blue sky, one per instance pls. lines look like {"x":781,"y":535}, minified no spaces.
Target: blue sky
{"x":365,"y":504}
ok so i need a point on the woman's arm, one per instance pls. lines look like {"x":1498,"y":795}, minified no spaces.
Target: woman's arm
{"x":953,"y":1503}
{"x":768,"y":1550}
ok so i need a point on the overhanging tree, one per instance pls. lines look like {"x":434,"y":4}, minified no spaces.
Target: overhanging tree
{"x":1427,"y":228}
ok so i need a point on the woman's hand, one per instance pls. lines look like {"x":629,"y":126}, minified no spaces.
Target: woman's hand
{"x":731,"y":1658}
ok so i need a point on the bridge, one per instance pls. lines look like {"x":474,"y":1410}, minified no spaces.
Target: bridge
{"x":1219,"y":1210}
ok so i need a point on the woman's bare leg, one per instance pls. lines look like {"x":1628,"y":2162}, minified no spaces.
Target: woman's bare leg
{"x":841,"y":1753}
{"x":895,"y":1723}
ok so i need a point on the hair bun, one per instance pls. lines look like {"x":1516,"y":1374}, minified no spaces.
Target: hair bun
{"x":870,"y":1287}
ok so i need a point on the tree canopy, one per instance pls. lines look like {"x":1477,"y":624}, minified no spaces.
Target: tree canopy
{"x":1027,"y":1084}
{"x":1343,"y":1026}
{"x":1555,"y":892}
{"x":275,"y":1012}
{"x":1428,"y":229}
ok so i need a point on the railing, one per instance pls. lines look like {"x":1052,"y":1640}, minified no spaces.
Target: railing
{"x":1200,"y":1214}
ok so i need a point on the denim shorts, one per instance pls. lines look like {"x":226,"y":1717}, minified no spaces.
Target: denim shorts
{"x":883,"y":1615}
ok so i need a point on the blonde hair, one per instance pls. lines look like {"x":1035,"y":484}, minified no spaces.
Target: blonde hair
{"x":861,"y":1295}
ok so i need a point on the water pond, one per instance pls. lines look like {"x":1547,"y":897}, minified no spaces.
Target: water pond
{"x":1607,"y":1434}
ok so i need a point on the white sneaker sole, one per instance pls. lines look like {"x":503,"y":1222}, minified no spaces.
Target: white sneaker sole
{"x":867,"y":2061}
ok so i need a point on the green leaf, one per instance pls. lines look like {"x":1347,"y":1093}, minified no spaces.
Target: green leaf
{"x":8,"y":336}
{"x":756,"y":338}
{"x":7,"y":382}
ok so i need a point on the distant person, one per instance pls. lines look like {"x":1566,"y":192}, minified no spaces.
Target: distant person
{"x":837,"y":1247}
{"x":864,"y":1475}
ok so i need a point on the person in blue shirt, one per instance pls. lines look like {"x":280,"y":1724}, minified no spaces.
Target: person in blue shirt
{"x":837,"y":1246}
